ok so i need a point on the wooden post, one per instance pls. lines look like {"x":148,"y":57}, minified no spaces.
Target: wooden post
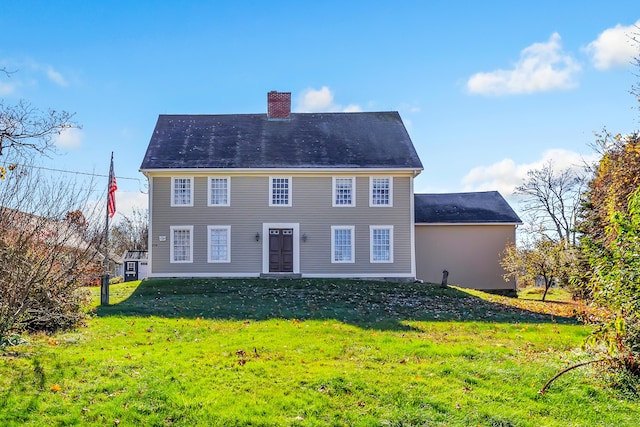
{"x":104,"y":290}
{"x":445,"y":277}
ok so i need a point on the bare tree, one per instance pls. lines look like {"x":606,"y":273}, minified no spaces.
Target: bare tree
{"x":25,"y":129}
{"x":44,"y":260}
{"x":635,"y":40}
{"x":551,"y":198}
{"x":131,"y":232}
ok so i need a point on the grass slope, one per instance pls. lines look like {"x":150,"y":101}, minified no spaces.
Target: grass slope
{"x":306,"y":353}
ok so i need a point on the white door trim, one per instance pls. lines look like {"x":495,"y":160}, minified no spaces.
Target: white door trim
{"x":296,"y":244}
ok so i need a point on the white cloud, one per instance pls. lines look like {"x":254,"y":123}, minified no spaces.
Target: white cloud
{"x":55,"y":76}
{"x":69,"y":138}
{"x":321,"y":100}
{"x":542,"y":67}
{"x":126,"y":201}
{"x":352,"y":108}
{"x":410,"y":108}
{"x":9,"y":84}
{"x":7,"y":88}
{"x":316,"y":100}
{"x":614,"y":47}
{"x":28,"y":73}
{"x":505,"y":175}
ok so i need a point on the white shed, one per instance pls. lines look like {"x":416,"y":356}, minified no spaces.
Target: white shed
{"x":135,"y":265}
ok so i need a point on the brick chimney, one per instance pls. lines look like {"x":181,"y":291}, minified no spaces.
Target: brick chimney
{"x":279,"y":105}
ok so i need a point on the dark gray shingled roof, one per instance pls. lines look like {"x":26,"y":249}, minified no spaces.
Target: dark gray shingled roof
{"x":306,"y":140}
{"x":459,"y":208}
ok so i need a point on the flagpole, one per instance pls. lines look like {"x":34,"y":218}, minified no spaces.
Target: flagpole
{"x":104,"y":287}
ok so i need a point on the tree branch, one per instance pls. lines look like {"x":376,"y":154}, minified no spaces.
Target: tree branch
{"x":570,"y":368}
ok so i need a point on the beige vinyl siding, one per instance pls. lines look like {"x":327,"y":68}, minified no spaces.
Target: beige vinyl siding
{"x":470,"y":253}
{"x":246,"y":253}
{"x":311,"y":208}
{"x":315,"y":253}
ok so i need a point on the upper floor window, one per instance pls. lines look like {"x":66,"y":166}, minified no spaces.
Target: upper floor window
{"x":219,"y":190}
{"x":280,"y":191}
{"x":344,"y":191}
{"x":381,"y":190}
{"x":219,"y":243}
{"x":182,"y":191}
{"x":181,"y":244}
{"x":342,"y":244}
{"x":381,"y":243}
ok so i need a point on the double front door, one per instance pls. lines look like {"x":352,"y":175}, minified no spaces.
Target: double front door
{"x":281,"y":250}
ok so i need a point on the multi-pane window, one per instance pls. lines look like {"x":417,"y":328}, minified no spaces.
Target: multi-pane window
{"x":344,"y":192}
{"x":381,"y":243}
{"x":218,"y":191}
{"x":182,"y":191}
{"x":181,"y":244}
{"x":342,"y":238}
{"x":381,"y":191}
{"x":280,"y":191}
{"x":219,"y":243}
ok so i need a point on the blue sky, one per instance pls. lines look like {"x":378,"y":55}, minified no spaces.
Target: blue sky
{"x":487,"y":90}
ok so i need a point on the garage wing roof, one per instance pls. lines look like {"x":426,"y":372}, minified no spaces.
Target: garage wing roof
{"x":305,"y":140}
{"x":460,"y":208}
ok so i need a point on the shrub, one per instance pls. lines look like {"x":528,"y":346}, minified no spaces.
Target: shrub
{"x":615,"y":285}
{"x":40,"y":278}
{"x":45,"y":255}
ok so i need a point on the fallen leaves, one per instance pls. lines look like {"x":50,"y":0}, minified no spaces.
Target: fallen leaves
{"x":359,"y":302}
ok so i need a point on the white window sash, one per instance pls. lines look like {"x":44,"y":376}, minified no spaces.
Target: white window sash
{"x":376,"y":248}
{"x":336,"y":193}
{"x":227,"y":190}
{"x":187,"y":249}
{"x":336,"y":255}
{"x":373,"y":196}
{"x":280,"y":191}
{"x":227,"y":249}
{"x":175,"y":202}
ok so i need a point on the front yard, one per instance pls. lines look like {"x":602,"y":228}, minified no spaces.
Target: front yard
{"x":300,"y":352}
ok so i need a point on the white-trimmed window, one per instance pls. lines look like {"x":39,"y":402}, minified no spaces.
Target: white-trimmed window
{"x":381,"y":243}
{"x":219,"y":243}
{"x":280,"y":191}
{"x":381,"y":191}
{"x":219,"y":191}
{"x":182,"y":191}
{"x":344,"y":191}
{"x":342,"y":244}
{"x":181,"y":244}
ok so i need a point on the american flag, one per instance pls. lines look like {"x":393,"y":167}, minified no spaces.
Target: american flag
{"x":111,"y":196}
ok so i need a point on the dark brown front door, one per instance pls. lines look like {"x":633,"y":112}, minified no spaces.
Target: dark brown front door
{"x":281,"y":250}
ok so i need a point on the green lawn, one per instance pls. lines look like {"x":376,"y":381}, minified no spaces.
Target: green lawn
{"x":306,"y":353}
{"x":554,"y":294}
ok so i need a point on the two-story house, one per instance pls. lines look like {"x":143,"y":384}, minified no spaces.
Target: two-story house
{"x":282,"y":194}
{"x":311,"y":195}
